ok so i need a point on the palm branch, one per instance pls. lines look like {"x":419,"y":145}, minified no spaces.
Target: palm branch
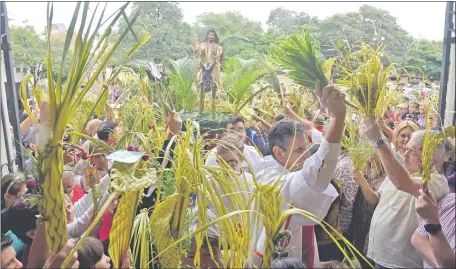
{"x":64,"y":99}
{"x":298,"y":54}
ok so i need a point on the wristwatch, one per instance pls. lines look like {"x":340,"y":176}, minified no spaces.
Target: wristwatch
{"x":379,"y":142}
{"x":432,"y":228}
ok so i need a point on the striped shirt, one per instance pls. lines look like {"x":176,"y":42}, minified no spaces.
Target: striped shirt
{"x":447,"y":218}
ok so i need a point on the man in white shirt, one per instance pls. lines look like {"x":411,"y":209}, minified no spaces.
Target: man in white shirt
{"x":304,"y":180}
{"x":252,"y":156}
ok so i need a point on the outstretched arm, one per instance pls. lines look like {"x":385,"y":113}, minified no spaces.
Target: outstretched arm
{"x":386,"y":129}
{"x":319,"y":168}
{"x":393,"y":168}
{"x":371,"y":196}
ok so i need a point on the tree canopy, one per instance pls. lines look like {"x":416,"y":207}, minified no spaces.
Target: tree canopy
{"x":244,"y":38}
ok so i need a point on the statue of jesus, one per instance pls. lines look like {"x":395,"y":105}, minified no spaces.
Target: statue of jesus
{"x":208,"y":76}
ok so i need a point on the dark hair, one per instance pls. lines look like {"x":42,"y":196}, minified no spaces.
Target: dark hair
{"x":216,"y":39}
{"x":287,"y":263}
{"x":235,"y":119}
{"x":282,"y":131}
{"x":6,"y":241}
{"x":104,"y":130}
{"x":415,"y":103}
{"x":278,"y":117}
{"x":331,"y":265}
{"x":11,"y":183}
{"x":90,"y":252}
{"x":20,"y":222}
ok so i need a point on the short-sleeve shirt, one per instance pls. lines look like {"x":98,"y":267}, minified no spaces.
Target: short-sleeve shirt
{"x":394,"y":221}
{"x":447,"y":216}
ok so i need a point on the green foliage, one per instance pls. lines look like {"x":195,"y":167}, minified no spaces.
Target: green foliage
{"x":238,"y":77}
{"x":181,"y":81}
{"x":361,"y":153}
{"x":365,"y":25}
{"x":288,"y":20}
{"x":170,"y":36}
{"x":134,"y":122}
{"x":28,"y":49}
{"x":367,"y":83}
{"x":237,"y":34}
{"x":298,"y":54}
{"x":426,"y":54}
{"x":91,"y":103}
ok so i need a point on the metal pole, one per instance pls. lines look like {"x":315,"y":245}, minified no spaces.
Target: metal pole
{"x":4,"y":123}
{"x":446,"y":50}
{"x":11,"y":93}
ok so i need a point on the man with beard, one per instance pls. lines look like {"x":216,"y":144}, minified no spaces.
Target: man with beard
{"x":210,"y":54}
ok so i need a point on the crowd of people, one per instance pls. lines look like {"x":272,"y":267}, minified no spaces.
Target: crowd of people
{"x":383,"y":209}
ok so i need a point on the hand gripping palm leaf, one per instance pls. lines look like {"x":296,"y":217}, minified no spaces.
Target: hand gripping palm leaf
{"x":167,"y":219}
{"x":367,"y":83}
{"x":298,"y":54}
{"x":131,"y":179}
{"x":64,"y":99}
{"x":128,"y":179}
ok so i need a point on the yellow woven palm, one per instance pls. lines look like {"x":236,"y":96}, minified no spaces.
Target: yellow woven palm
{"x":161,"y":229}
{"x":122,"y":225}
{"x":168,"y":216}
{"x":124,"y":180}
{"x":269,"y":197}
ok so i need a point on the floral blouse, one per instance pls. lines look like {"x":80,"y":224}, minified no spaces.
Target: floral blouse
{"x":344,"y":173}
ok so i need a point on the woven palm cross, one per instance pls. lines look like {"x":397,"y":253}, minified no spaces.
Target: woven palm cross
{"x":125,"y":177}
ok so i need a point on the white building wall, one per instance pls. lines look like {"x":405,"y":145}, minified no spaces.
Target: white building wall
{"x":450,"y":98}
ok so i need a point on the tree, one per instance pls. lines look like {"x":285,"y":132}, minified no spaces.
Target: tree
{"x":426,"y":55}
{"x":370,"y":24}
{"x":171,"y":37}
{"x":237,"y":34}
{"x":28,"y":50}
{"x":288,"y":20}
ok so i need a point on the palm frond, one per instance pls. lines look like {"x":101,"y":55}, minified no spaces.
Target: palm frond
{"x":298,"y":55}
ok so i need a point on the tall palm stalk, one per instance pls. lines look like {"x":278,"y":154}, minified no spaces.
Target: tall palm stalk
{"x":64,"y":100}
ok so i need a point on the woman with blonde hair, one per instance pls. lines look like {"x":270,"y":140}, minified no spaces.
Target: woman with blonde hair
{"x":400,"y":136}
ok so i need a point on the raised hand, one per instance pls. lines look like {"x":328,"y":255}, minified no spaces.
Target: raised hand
{"x":57,"y":260}
{"x":333,"y":99}
{"x":427,"y":208}
{"x":174,"y":124}
{"x":371,"y":129}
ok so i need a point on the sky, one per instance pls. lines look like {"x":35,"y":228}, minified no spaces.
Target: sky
{"x":420,"y":19}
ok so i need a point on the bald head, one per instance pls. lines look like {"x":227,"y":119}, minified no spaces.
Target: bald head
{"x":92,"y":127}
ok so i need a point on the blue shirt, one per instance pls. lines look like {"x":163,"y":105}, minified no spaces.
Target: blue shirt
{"x":18,"y":245}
